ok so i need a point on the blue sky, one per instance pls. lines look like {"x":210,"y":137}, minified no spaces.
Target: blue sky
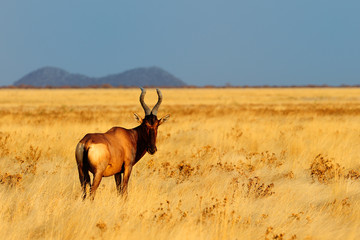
{"x":201,"y":42}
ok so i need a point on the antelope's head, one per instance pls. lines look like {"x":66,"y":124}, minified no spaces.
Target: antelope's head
{"x":150,"y":123}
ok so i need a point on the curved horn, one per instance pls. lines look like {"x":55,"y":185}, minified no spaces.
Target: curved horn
{"x":156,"y":107}
{"x":143,"y":104}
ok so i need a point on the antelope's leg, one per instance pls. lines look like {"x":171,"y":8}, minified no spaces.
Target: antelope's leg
{"x":118,"y":182}
{"x":86,"y":181}
{"x":127,"y":173}
{"x":98,"y":159}
{"x":96,"y":182}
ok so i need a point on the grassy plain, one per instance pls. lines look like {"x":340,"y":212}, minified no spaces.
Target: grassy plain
{"x":231,"y":164}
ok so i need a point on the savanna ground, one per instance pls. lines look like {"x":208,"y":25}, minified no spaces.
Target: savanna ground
{"x":231,"y":164}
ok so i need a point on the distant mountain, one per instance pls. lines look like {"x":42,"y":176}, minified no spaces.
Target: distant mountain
{"x":56,"y":77}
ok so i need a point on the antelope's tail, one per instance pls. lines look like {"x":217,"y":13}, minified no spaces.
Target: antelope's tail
{"x":79,"y":154}
{"x":81,"y":160}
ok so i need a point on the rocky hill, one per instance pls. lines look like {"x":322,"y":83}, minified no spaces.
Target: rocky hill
{"x":56,"y":77}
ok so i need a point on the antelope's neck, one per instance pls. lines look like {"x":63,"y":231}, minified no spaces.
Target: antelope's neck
{"x":140,"y":142}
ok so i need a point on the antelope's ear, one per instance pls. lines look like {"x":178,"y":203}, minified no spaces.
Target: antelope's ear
{"x":164,"y":119}
{"x":138,"y":118}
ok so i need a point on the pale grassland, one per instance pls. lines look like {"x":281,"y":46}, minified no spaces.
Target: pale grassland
{"x":231,"y":164}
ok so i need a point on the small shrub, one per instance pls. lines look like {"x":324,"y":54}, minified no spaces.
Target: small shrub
{"x":254,"y":188}
{"x":325,"y":170}
{"x":4,"y":138}
{"x":353,"y":175}
{"x":29,"y":160}
{"x":11,"y":179}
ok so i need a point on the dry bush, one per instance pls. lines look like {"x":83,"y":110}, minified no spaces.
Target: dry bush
{"x":29,"y":160}
{"x":185,"y":171}
{"x":163,"y":213}
{"x":325,"y":170}
{"x":266,"y":158}
{"x":181,"y":172}
{"x":353,"y":174}
{"x":204,"y":151}
{"x":4,"y":138}
{"x":256,"y":189}
{"x":102,"y":226}
{"x":241,"y":168}
{"x":11,"y":179}
{"x":257,"y":160}
{"x":271,"y":235}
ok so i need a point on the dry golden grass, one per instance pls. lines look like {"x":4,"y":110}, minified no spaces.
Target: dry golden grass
{"x":231,"y":164}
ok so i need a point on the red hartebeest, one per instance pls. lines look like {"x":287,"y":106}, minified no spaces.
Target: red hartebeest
{"x":118,"y":150}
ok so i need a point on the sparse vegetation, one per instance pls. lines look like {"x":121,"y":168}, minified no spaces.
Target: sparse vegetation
{"x":231,"y":164}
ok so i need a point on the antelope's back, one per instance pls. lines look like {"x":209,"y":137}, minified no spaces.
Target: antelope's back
{"x":122,"y":143}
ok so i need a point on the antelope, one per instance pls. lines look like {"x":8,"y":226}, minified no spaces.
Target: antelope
{"x":116,"y":151}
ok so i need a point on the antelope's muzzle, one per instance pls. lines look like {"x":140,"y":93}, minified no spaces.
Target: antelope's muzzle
{"x":152,"y":150}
